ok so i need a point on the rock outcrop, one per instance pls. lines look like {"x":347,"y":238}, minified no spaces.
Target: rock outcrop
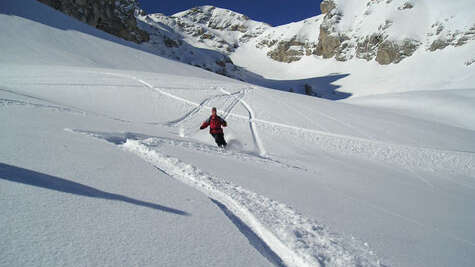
{"x":330,"y":41}
{"x":167,"y":41}
{"x":327,"y":6}
{"x":393,"y":51}
{"x":290,"y":51}
{"x":116,"y":17}
{"x":345,"y":45}
{"x":444,"y":37}
{"x":207,"y":36}
{"x":220,"y":29}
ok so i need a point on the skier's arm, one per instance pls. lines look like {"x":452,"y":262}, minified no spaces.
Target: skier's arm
{"x":223,"y":122}
{"x":204,"y":125}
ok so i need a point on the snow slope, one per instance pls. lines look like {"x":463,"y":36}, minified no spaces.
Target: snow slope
{"x":102,"y":163}
{"x":452,"y":107}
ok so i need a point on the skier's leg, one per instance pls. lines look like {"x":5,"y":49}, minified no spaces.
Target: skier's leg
{"x":216,"y":139}
{"x":222,"y":140}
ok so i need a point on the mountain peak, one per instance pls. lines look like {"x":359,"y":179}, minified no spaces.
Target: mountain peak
{"x":203,"y":14}
{"x":195,"y":10}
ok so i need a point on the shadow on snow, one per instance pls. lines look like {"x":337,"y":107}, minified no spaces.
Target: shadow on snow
{"x":254,"y":240}
{"x":29,"y":177}
{"x":322,"y":87}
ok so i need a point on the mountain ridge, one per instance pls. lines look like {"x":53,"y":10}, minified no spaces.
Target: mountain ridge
{"x":339,"y":42}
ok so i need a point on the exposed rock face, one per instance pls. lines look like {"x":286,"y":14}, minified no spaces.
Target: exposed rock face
{"x":438,"y":44}
{"x":215,"y":18}
{"x":446,"y":38}
{"x":331,"y":43}
{"x":116,"y":17}
{"x":393,"y":52}
{"x":328,"y":43}
{"x":266,"y":43}
{"x":290,"y":43}
{"x":167,"y":42}
{"x":290,"y":51}
{"x":214,"y":27}
{"x":345,"y":45}
{"x":327,"y":6}
{"x":406,"y":5}
{"x":368,"y":47}
{"x":206,"y":36}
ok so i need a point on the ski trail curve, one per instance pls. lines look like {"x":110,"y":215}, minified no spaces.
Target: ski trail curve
{"x":295,"y":239}
{"x":301,"y":114}
{"x":9,"y":102}
{"x":278,"y":124}
{"x":252,"y":125}
{"x":53,"y":105}
{"x":345,"y":124}
{"x":219,"y":190}
{"x":227,"y":108}
{"x":235,"y":101}
{"x":251,"y":118}
{"x":406,"y":156}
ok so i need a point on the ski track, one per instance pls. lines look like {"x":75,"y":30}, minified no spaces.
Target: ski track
{"x":156,"y":142}
{"x":305,"y":242}
{"x":55,"y":106}
{"x":301,"y":114}
{"x":345,"y":124}
{"x":235,"y":101}
{"x":408,"y":157}
{"x":255,"y":134}
{"x":295,"y":239}
{"x":242,"y":156}
{"x":188,"y":116}
{"x":192,"y":113}
{"x":8,"y":102}
{"x":405,"y":156}
{"x":251,"y":118}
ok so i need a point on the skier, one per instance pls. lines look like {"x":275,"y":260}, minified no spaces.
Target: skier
{"x":215,"y":122}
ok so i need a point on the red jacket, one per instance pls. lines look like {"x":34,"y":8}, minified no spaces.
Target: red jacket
{"x":215,"y":123}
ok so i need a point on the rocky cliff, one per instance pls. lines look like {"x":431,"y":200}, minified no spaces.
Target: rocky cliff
{"x":386,"y":31}
{"x":344,"y":43}
{"x":389,"y":30}
{"x":382,"y":31}
{"x":116,"y":17}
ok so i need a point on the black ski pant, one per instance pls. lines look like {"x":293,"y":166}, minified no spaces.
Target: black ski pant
{"x":219,"y":138}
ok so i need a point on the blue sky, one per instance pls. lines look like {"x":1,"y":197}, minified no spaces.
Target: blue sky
{"x":274,"y":12}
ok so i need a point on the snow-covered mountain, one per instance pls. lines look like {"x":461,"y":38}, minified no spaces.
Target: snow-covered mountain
{"x":102,"y":162}
{"x":216,"y":28}
{"x":440,"y":33}
{"x":385,"y":31}
{"x":341,"y":53}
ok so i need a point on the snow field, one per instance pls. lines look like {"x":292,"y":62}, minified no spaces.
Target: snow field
{"x":395,"y":186}
{"x":297,"y":240}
